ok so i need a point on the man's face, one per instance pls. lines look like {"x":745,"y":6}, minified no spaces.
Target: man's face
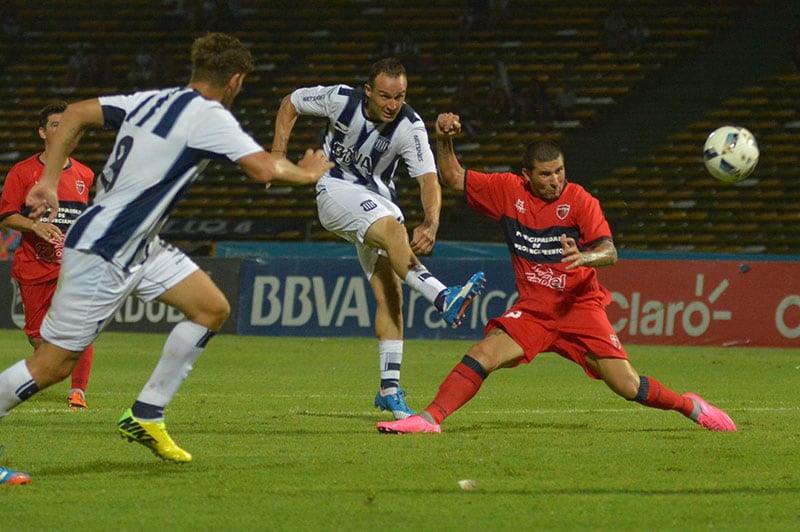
{"x":546,"y":179}
{"x":386,"y":98}
{"x":50,"y":128}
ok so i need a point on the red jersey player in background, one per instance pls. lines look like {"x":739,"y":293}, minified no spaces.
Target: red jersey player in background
{"x":557,"y":235}
{"x":37,"y":261}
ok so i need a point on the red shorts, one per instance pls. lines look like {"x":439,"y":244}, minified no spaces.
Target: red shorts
{"x":584,"y":328}
{"x":36,"y":300}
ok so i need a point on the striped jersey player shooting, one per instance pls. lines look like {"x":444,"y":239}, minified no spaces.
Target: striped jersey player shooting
{"x":370,"y":130}
{"x":165,"y":139}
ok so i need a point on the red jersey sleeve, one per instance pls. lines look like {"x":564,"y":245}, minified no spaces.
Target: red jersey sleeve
{"x":591,"y":220}
{"x":486,"y":193}
{"x":14,"y":192}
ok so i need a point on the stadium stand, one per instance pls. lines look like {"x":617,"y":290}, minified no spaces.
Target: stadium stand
{"x":657,"y":200}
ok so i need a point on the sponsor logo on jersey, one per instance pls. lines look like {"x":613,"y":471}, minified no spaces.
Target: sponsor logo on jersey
{"x":350,"y":157}
{"x":418,"y":146}
{"x":343,"y":128}
{"x":545,"y":276}
{"x":49,"y":251}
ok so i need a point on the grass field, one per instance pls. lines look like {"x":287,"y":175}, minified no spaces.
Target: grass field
{"x":283,"y":436}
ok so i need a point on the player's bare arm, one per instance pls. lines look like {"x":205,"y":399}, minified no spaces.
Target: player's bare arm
{"x":268,"y":169}
{"x":424,"y":236}
{"x":450,"y":170}
{"x":284,"y":124}
{"x":603,"y":254}
{"x":76,"y":120}
{"x":45,"y":231}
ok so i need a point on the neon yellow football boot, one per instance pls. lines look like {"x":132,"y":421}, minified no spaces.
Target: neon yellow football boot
{"x":152,"y":435}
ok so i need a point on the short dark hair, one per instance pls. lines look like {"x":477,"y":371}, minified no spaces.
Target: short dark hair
{"x":390,"y":66}
{"x":53,"y":108}
{"x":542,"y":151}
{"x":216,"y":57}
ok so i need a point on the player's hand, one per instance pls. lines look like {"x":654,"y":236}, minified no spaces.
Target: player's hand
{"x":571,"y":253}
{"x":40,"y":198}
{"x":448,"y":124}
{"x":48,"y":232}
{"x":316,"y":162}
{"x":423,"y":237}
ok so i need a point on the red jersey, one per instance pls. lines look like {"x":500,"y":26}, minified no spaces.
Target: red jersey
{"x":35,"y":260}
{"x":533,"y":229}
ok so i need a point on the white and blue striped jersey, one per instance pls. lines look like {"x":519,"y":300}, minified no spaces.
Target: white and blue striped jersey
{"x":165,"y":139}
{"x":367,"y":152}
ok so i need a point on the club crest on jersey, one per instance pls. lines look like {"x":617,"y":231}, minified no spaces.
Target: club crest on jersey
{"x":81,"y":186}
{"x":615,"y":341}
{"x":520,"y":206}
{"x":368,"y":205}
{"x":562,"y":211}
{"x":381,"y":144}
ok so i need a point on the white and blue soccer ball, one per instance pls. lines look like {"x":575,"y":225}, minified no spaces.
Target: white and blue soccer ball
{"x":730,"y":153}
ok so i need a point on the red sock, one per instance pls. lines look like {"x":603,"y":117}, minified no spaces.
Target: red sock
{"x":659,"y":396}
{"x":80,"y":373}
{"x":458,"y":387}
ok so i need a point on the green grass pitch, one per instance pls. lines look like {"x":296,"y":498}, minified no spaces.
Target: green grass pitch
{"x":283,"y":436}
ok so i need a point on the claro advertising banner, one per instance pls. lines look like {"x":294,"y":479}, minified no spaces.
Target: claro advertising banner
{"x":705,"y":302}
{"x":676,"y":302}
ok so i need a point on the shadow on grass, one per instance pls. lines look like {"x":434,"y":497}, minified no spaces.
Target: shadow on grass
{"x":102,"y":467}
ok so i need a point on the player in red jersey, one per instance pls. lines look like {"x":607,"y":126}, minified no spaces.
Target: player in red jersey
{"x":557,"y":235}
{"x":38,"y":259}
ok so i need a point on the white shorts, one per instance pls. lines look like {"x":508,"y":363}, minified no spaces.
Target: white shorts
{"x":91,"y":290}
{"x":349,"y":210}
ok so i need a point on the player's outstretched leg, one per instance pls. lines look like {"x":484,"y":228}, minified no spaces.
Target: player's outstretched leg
{"x":710,"y":416}
{"x":457,"y":298}
{"x":153,"y":435}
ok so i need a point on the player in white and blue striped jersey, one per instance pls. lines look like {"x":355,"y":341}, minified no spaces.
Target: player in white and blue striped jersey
{"x":370,"y":130}
{"x":165,"y":139}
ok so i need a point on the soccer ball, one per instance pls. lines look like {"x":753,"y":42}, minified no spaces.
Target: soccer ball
{"x":730,"y":153}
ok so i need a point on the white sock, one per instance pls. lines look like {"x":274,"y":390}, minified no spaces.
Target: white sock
{"x":391,"y":356}
{"x":421,"y":280}
{"x":16,"y":385}
{"x":184,"y":344}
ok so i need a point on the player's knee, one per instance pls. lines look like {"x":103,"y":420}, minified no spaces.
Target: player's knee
{"x":484,"y":357}
{"x":220,"y":315}
{"x":213,"y":314}
{"x":625,"y":386}
{"x":49,"y":365}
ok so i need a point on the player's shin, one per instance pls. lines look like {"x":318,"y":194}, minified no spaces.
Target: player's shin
{"x":16,"y":385}
{"x":655,"y":395}
{"x":183,"y":346}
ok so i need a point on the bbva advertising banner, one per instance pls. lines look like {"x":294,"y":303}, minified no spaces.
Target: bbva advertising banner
{"x":332,"y":297}
{"x":673,"y":302}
